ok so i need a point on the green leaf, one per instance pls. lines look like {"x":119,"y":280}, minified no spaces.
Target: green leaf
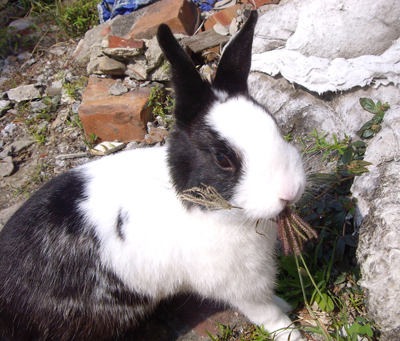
{"x":340,"y":279}
{"x":359,"y":144}
{"x":347,"y":155}
{"x":369,"y":105}
{"x":368,"y":133}
{"x":324,"y":302}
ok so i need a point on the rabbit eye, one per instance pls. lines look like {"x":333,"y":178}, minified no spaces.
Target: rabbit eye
{"x":223,"y":161}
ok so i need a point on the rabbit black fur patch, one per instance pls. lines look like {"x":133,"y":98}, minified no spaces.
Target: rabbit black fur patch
{"x":57,"y":273}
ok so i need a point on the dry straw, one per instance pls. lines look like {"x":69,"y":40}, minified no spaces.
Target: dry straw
{"x":292,"y":230}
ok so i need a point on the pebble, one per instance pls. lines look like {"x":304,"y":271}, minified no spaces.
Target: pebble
{"x":8,"y":129}
{"x":6,"y":167}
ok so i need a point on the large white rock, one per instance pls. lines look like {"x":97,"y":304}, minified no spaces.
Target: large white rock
{"x":330,"y":45}
{"x":297,"y":112}
{"x":24,"y":93}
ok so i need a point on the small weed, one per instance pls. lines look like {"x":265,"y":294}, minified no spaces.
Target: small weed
{"x":74,"y":18}
{"x":317,"y":142}
{"x":75,"y":88}
{"x":90,"y":140}
{"x":161,"y":105}
{"x":373,"y":126}
{"x":74,"y":120}
{"x":39,"y":135}
{"x":287,"y":137}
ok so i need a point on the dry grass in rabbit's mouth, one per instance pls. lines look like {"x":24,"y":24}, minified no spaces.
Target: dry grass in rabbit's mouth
{"x":292,"y":230}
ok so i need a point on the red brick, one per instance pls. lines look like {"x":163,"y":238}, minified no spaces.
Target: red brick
{"x":117,"y":42}
{"x":224,"y":17}
{"x":182,"y":16}
{"x":122,"y":118}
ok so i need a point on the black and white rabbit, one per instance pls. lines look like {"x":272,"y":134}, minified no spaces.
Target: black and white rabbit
{"x":97,"y":248}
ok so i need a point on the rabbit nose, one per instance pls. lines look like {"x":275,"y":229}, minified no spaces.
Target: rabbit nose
{"x":289,"y":196}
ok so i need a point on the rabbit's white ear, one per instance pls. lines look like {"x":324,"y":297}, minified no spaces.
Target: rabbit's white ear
{"x":192,"y":92}
{"x":234,"y":67}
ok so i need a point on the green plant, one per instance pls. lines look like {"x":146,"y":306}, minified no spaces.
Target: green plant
{"x":74,"y":120}
{"x":75,"y":88}
{"x":74,"y":18}
{"x":317,"y":142}
{"x":39,"y":135}
{"x":161,"y":105}
{"x":327,"y":272}
{"x":373,"y":126}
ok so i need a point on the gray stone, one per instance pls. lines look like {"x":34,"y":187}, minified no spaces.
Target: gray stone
{"x":21,"y":144}
{"x":156,"y":134}
{"x":109,"y":66}
{"x":55,"y":88}
{"x":154,"y":55}
{"x":24,"y":93}
{"x":118,"y":89}
{"x":8,"y":129}
{"x":138,"y":70}
{"x":124,"y":53}
{"x":306,"y":27}
{"x":38,"y":106}
{"x":4,"y":106}
{"x":82,"y":53}
{"x":6,"y":167}
{"x":321,"y":61}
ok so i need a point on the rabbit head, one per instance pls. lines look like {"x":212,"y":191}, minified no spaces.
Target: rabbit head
{"x":225,"y":139}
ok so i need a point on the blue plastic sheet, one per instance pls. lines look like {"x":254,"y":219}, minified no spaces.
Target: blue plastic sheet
{"x":108,"y":9}
{"x":205,"y":5}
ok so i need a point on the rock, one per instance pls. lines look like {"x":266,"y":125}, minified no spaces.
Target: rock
{"x":154,"y":55}
{"x":21,"y":144}
{"x":156,"y":134}
{"x":92,"y":37}
{"x":114,"y":118}
{"x":204,"y":40}
{"x":122,"y":53}
{"x":37,"y":106}
{"x":60,"y":119}
{"x":181,"y":16}
{"x":55,"y":88}
{"x":378,"y":194}
{"x":8,"y":129}
{"x":23,"y":27}
{"x":109,"y":66}
{"x":6,"y":167}
{"x":118,"y":89}
{"x":24,"y":93}
{"x":4,"y":106}
{"x":308,"y":57}
{"x":138,"y":69}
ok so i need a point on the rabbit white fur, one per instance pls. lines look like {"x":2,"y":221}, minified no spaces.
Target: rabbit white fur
{"x":97,"y":248}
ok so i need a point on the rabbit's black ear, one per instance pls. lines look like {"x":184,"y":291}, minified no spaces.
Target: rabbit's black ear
{"x":192,"y":92}
{"x":234,"y":67}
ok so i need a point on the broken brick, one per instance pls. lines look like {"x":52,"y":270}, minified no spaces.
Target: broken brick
{"x":117,"y":42}
{"x":182,"y":16}
{"x":224,"y":17}
{"x":114,"y":118}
